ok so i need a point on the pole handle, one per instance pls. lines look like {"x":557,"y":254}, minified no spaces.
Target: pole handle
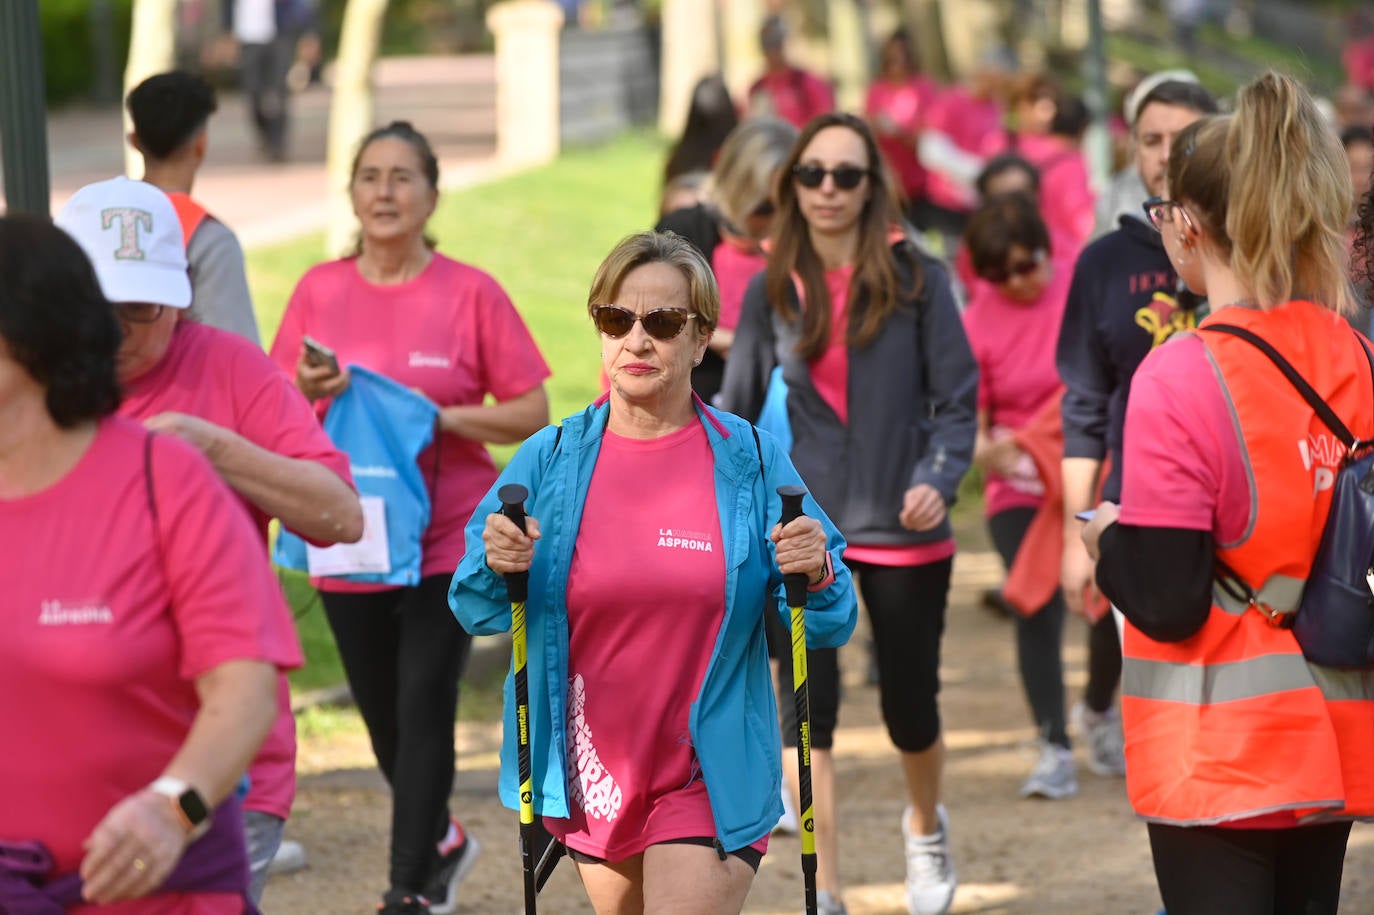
{"x":513,"y":497}
{"x":794,"y":583}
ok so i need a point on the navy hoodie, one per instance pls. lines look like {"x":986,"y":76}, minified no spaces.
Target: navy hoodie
{"x":1123,"y":302}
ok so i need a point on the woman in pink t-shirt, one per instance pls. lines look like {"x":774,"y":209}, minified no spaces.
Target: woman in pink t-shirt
{"x":136,"y":681}
{"x":654,"y":553}
{"x":897,"y":105}
{"x":729,"y":227}
{"x":1012,"y":322}
{"x":448,"y":331}
{"x":882,"y":400}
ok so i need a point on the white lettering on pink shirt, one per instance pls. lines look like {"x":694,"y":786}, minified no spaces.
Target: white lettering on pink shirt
{"x":80,"y":613}
{"x":696,"y":541}
{"x":594,"y":790}
{"x":419,"y":360}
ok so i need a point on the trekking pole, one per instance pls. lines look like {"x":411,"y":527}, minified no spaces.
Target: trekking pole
{"x":795,"y":585}
{"x":513,"y":497}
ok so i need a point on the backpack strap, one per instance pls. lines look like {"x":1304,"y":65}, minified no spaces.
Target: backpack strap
{"x":1314,"y":400}
{"x":759,"y":448}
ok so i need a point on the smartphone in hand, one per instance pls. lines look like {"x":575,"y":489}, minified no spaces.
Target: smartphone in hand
{"x":317,"y":354}
{"x":1086,"y":515}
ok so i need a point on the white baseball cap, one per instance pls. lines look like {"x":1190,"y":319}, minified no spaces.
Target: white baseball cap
{"x":130,"y":231}
{"x":1130,"y":105}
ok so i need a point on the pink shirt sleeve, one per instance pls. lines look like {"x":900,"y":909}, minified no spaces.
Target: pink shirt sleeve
{"x":223,"y":593}
{"x":1183,"y":466}
{"x":511,"y":362}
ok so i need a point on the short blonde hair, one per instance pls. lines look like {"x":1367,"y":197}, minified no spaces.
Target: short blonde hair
{"x":703,"y":296}
{"x":743,"y":175}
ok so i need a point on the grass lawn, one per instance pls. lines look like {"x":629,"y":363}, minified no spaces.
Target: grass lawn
{"x":542,"y":234}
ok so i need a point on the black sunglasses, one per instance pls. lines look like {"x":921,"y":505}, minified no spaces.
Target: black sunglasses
{"x":1157,"y":211}
{"x":661,"y":323}
{"x":999,"y":275}
{"x":847,"y":177}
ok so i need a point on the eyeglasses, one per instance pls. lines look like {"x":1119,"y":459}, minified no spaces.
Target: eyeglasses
{"x":847,"y":177}
{"x":661,"y":323}
{"x":997,"y":276}
{"x":138,"y":312}
{"x":1157,"y":210}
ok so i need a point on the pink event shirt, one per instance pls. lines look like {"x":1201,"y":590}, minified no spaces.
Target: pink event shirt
{"x":1014,"y":345}
{"x":451,"y":332}
{"x":646,"y":599}
{"x":1183,"y":465}
{"x":975,"y":126}
{"x":734,"y":266}
{"x":792,"y":94}
{"x":224,"y":379}
{"x":106,"y":633}
{"x":830,"y":376}
{"x":897,"y":112}
{"x":1067,"y":200}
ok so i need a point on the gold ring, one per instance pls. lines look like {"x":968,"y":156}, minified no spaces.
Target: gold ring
{"x":140,"y":865}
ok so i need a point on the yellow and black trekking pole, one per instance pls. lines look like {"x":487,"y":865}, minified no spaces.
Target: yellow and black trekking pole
{"x":513,"y":497}
{"x":795,"y":585}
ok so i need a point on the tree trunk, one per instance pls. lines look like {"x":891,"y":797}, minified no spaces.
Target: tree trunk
{"x":926,"y":24}
{"x":351,"y":114}
{"x":152,"y":50}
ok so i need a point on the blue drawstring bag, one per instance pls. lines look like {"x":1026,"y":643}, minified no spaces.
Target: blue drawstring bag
{"x":382,"y":426}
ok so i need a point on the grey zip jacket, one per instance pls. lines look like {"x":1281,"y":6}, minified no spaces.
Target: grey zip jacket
{"x":913,"y":402}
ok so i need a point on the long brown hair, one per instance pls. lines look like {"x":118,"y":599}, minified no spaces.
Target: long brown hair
{"x":874,"y":291}
{"x":1272,"y":187}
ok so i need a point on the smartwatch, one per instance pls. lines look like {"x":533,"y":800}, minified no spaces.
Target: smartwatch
{"x":188,"y":803}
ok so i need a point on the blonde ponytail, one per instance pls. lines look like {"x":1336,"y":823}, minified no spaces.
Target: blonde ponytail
{"x":1289,"y":197}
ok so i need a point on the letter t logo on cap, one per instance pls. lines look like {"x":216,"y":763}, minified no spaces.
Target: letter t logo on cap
{"x":129,"y":220}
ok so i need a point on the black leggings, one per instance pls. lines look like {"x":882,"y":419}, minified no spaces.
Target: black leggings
{"x":403,"y":653}
{"x":1039,"y":638}
{"x":1104,"y":664}
{"x":1203,"y":870}
{"x":906,"y":608}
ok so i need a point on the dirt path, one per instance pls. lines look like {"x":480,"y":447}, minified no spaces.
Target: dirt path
{"x":1084,"y":855}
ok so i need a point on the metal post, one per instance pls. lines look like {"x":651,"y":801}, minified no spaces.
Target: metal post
{"x":1098,"y":142}
{"x":23,"y":113}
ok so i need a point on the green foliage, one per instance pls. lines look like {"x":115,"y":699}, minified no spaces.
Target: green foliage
{"x":542,"y":235}
{"x":69,"y":49}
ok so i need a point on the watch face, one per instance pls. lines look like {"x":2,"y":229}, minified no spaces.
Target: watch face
{"x":193,"y":805}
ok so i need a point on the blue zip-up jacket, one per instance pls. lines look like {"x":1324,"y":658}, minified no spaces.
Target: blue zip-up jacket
{"x":733,"y":722}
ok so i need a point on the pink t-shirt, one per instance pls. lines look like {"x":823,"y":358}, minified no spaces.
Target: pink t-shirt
{"x":830,"y":375}
{"x":1014,"y":346}
{"x":107,"y":625}
{"x":453,"y":333}
{"x":646,"y":599}
{"x":734,"y":266}
{"x":897,"y":111}
{"x":227,"y":380}
{"x":1067,"y":200}
{"x":975,"y":126}
{"x":1183,"y":465}
{"x":793,"y":94}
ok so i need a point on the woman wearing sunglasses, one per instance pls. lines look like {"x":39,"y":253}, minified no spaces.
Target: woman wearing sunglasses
{"x":654,"y":552}
{"x":1012,"y":322}
{"x":729,"y":225}
{"x":882,"y":399}
{"x":1247,"y":761}
{"x":450,"y":332}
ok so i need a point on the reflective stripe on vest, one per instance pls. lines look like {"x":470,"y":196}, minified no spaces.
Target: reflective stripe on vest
{"x":1233,"y":722}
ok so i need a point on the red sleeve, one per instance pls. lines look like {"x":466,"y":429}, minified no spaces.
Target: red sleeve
{"x":226,"y":603}
{"x":511,"y":362}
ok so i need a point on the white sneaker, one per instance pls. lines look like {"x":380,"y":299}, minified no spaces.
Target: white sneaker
{"x":787,"y":823}
{"x":1055,"y":775}
{"x":290,"y":857}
{"x":827,"y":904}
{"x":1105,"y":739}
{"x":930,"y":878}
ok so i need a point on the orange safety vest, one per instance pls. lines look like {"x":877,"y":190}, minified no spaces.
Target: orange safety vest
{"x":189,"y":212}
{"x":1233,"y":722}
